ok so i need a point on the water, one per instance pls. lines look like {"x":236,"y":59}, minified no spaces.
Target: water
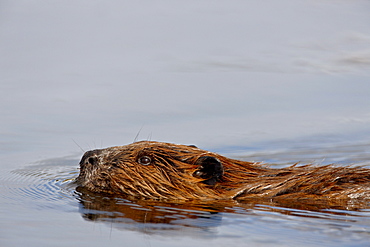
{"x":44,"y":207}
{"x":280,"y":82}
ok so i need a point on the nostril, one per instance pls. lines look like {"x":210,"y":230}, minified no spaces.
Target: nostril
{"x":90,"y":157}
{"x":91,"y":161}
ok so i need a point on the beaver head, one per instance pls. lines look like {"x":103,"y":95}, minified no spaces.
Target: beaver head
{"x":156,"y":170}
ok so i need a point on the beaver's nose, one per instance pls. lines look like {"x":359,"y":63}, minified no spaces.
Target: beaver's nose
{"x":90,"y":157}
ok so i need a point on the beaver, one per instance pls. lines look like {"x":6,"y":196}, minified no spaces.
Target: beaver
{"x":165,"y":171}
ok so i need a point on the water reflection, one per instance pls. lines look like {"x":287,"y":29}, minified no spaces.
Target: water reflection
{"x":151,"y":216}
{"x":50,"y":186}
{"x":155,"y":214}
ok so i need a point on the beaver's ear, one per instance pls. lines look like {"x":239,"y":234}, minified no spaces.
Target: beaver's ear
{"x":210,"y":169}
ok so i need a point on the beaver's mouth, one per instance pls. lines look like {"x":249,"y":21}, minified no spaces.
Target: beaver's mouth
{"x":94,"y":179}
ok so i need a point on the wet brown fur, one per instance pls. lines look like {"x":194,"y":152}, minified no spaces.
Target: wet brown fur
{"x":171,"y":176}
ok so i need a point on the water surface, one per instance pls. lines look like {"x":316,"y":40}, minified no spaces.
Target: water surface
{"x":279,"y":81}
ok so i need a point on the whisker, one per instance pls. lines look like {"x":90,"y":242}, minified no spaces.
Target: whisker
{"x":149,"y":137}
{"x":79,"y":146}
{"x":138,"y":133}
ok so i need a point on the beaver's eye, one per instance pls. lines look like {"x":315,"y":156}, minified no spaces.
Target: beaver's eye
{"x":144,"y":160}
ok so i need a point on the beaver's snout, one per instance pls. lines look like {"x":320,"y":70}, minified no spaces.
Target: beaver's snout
{"x":90,"y":158}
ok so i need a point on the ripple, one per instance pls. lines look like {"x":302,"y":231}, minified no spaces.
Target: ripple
{"x":46,"y":181}
{"x":50,"y":184}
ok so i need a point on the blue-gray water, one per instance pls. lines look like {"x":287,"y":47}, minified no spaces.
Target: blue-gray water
{"x":274,"y":81}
